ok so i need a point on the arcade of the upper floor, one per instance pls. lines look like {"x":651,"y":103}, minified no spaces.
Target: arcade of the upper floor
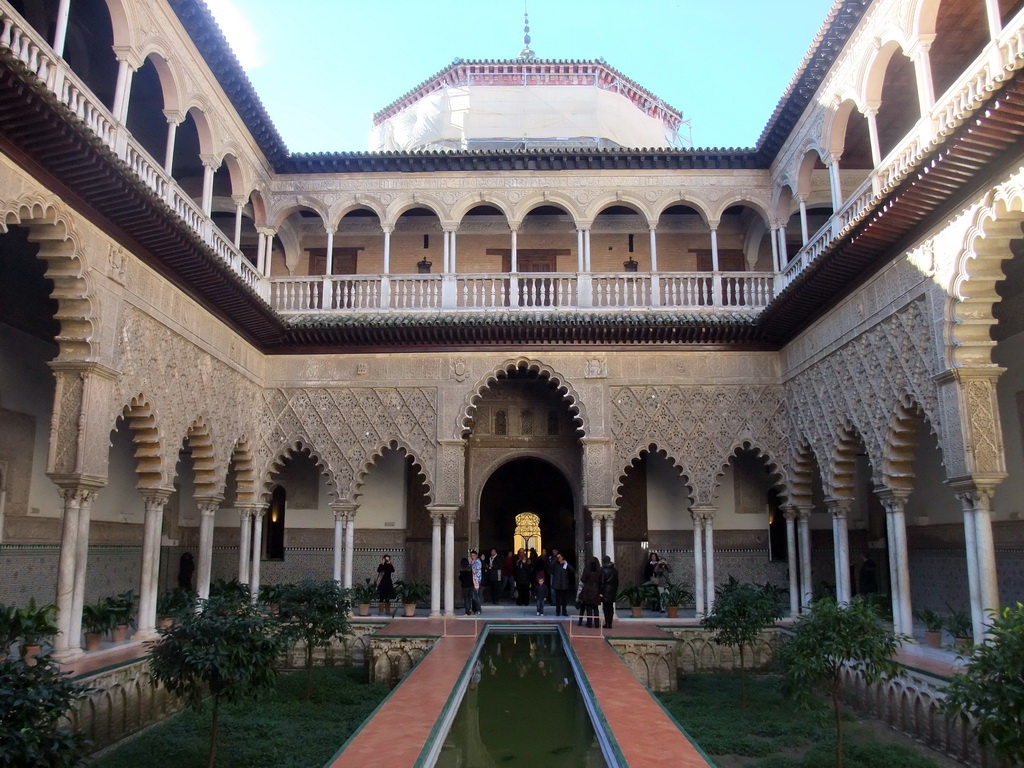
{"x":728,"y":238}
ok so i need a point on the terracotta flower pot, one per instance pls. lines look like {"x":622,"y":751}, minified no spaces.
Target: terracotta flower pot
{"x":29,"y":653}
{"x":635,"y":610}
{"x":364,"y":609}
{"x":93,"y":641}
{"x":933,"y":639}
{"x":672,"y":611}
{"x":119,"y":634}
{"x":410,"y":609}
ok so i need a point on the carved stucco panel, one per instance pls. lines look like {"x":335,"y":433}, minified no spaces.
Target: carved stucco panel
{"x":345,"y":427}
{"x":182,"y":383}
{"x":698,"y":426}
{"x":862,"y":381}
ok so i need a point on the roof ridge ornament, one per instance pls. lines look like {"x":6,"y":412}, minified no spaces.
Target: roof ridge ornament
{"x":527,"y":52}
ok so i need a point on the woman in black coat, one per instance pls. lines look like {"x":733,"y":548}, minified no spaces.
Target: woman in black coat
{"x":590,"y":593}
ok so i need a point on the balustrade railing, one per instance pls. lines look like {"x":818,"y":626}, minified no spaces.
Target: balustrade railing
{"x":419,"y":292}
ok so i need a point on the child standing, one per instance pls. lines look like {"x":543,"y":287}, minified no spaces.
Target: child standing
{"x":541,"y":591}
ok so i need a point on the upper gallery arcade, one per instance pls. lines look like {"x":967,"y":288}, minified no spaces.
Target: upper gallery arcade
{"x":808,"y":347}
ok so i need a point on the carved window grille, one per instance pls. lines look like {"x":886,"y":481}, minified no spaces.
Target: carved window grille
{"x":526,"y":422}
{"x":553,"y":422}
{"x":527,"y":533}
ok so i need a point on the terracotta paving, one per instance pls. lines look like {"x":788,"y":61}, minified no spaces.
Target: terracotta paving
{"x":645,"y":733}
{"x":410,"y":711}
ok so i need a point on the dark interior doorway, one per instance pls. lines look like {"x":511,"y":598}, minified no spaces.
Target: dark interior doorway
{"x":527,"y":485}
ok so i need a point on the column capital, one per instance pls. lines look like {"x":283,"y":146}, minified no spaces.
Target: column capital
{"x":209,"y":161}
{"x":266,"y":231}
{"x":174,"y":116}
{"x":387,"y":229}
{"x":602,"y":513}
{"x":240,"y":199}
{"x":705,"y":511}
{"x":513,"y":226}
{"x":156,"y":496}
{"x":838,"y":507}
{"x":208,"y":505}
{"x":447,"y":511}
{"x":790,"y":512}
{"x":127,"y":53}
{"x":584,"y":226}
{"x":974,"y":493}
{"x":343,"y":510}
{"x":79,"y":493}
{"x":449,"y":226}
{"x":893,"y":499}
{"x":968,"y":373}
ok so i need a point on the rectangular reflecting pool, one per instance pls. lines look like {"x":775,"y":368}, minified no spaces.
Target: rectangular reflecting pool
{"x":523,"y":700}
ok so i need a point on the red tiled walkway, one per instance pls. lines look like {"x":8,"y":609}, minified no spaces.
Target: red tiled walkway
{"x":645,"y":733}
{"x":400,"y":728}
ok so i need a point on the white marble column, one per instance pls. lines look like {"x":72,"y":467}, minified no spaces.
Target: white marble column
{"x":776,"y":262}
{"x":239,"y":204}
{"x":876,"y":152}
{"x":435,"y":564}
{"x":802,"y":201}
{"x":804,"y":528}
{"x":595,"y":534}
{"x":149,"y":579}
{"x":257,"y":551}
{"x":449,"y":564}
{"x":60,"y":34}
{"x":81,"y":566}
{"x":698,"y":561}
{"x":244,"y":543}
{"x":835,"y":181}
{"x":208,"y":506}
{"x":839,"y":509}
{"x":579,"y":250}
{"x":339,"y":544}
{"x":350,"y":548}
{"x":172,"y":131}
{"x":981,"y":561}
{"x":209,"y":168}
{"x":514,"y":258}
{"x":899,"y":569}
{"x":791,"y":553}
{"x":123,"y":89}
{"x":72,"y":497}
{"x":609,"y":535}
{"x":709,"y":559}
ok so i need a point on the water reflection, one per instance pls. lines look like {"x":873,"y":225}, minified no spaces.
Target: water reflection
{"x":522,"y":703}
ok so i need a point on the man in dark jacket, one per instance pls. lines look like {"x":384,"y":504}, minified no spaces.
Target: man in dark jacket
{"x":563,"y":582}
{"x":609,"y":588}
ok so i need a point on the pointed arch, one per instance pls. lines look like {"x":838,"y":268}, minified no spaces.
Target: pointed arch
{"x":51,"y":227}
{"x":569,"y":393}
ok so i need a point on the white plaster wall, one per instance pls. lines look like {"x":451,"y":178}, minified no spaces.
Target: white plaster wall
{"x":119,"y":501}
{"x":26,"y":386}
{"x":320,"y":517}
{"x":932,"y":501}
{"x":668,"y":506}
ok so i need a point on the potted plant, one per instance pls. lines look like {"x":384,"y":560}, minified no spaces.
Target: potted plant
{"x":123,"y":608}
{"x":270,"y":596}
{"x":412,"y":592}
{"x":97,"y":619}
{"x":9,"y":628}
{"x":362,"y":595}
{"x":174,"y":605}
{"x":636,"y":595}
{"x":959,"y":625}
{"x":674,"y":596}
{"x":933,"y":622}
{"x":35,"y":624}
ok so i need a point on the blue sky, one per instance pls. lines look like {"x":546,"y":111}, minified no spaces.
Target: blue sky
{"x":323,"y":67}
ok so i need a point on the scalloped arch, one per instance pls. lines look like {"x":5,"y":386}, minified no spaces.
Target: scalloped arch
{"x":141,"y":418}
{"x":652,"y":449}
{"x":209,"y":475}
{"x":51,"y":227}
{"x":805,"y":466}
{"x":843,"y":463}
{"x":901,"y":440}
{"x":972,"y":292}
{"x":395,"y":444}
{"x":296,"y":444}
{"x":407,"y":202}
{"x":774,"y":467}
{"x":568,"y":392}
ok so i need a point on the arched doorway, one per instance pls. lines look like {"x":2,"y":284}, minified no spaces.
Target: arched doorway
{"x":527,"y":486}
